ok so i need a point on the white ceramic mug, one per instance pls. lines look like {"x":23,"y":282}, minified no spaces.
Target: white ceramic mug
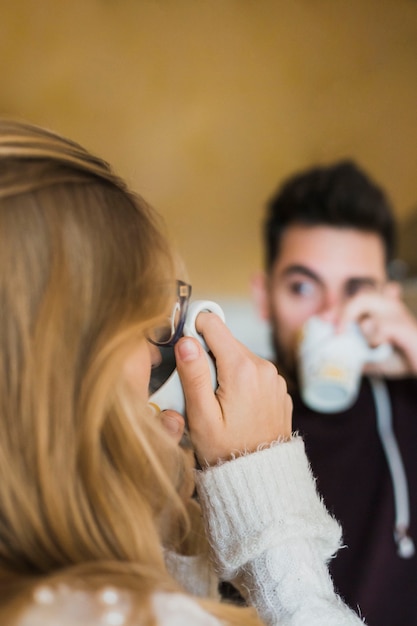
{"x":330,"y":364}
{"x":170,"y":395}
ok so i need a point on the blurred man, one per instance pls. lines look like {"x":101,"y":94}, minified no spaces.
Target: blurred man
{"x":329,"y":238}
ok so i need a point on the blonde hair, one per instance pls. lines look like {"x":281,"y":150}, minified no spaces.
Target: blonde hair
{"x":88,"y":478}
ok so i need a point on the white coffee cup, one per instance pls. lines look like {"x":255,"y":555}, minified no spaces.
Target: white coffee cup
{"x":170,"y":395}
{"x":330,"y":364}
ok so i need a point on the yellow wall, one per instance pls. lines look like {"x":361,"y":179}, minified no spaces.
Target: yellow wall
{"x":204,"y":105}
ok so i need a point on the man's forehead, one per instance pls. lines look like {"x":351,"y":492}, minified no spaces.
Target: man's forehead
{"x":325,"y":250}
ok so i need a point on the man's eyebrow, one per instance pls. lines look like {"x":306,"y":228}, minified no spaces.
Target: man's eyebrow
{"x":304,"y":270}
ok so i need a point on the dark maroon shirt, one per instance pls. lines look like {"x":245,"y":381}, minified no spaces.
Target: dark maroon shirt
{"x":352,"y":474}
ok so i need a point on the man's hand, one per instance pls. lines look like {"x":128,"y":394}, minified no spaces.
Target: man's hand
{"x":384,"y":318}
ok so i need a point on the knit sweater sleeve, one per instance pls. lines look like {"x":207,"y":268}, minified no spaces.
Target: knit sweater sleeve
{"x":272,"y":536}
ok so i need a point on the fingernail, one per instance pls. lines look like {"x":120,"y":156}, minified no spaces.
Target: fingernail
{"x":188,"y":350}
{"x":170,"y":424}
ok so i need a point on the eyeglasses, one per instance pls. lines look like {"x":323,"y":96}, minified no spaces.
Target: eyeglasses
{"x":168,"y":334}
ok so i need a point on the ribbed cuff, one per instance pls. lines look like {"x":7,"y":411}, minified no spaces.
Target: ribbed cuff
{"x":261,"y":500}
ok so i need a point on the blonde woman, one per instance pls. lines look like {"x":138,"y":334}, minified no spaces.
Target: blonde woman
{"x":97,"y":522}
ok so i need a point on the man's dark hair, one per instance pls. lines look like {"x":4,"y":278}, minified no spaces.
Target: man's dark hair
{"x":340,"y":195}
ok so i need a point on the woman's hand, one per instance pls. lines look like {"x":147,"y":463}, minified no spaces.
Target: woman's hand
{"x":251,"y":406}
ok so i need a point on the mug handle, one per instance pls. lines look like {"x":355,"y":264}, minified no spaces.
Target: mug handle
{"x":380,"y":353}
{"x":170,"y":395}
{"x":194,"y":308}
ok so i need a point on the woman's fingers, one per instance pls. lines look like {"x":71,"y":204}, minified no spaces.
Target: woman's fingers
{"x":250,"y":406}
{"x":194,"y":370}
{"x":173,"y":423}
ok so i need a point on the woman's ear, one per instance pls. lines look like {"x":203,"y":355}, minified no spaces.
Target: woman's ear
{"x":260,"y":295}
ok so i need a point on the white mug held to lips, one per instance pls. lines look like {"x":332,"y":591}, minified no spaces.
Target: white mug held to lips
{"x":330,"y":364}
{"x":170,"y":395}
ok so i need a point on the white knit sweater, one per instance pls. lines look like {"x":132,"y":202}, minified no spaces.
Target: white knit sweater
{"x":270,"y":535}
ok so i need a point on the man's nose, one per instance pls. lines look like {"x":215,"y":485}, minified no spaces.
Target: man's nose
{"x":331,"y":308}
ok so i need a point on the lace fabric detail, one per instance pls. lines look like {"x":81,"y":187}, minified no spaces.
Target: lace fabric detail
{"x":65,"y":606}
{"x":176,"y":609}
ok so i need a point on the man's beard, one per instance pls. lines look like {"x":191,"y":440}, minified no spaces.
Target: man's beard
{"x":285,"y":361}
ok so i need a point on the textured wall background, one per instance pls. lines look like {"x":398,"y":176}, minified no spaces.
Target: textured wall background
{"x":205,"y":105}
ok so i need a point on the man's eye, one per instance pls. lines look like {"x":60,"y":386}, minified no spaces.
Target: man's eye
{"x":302,"y":289}
{"x":357,"y":286}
